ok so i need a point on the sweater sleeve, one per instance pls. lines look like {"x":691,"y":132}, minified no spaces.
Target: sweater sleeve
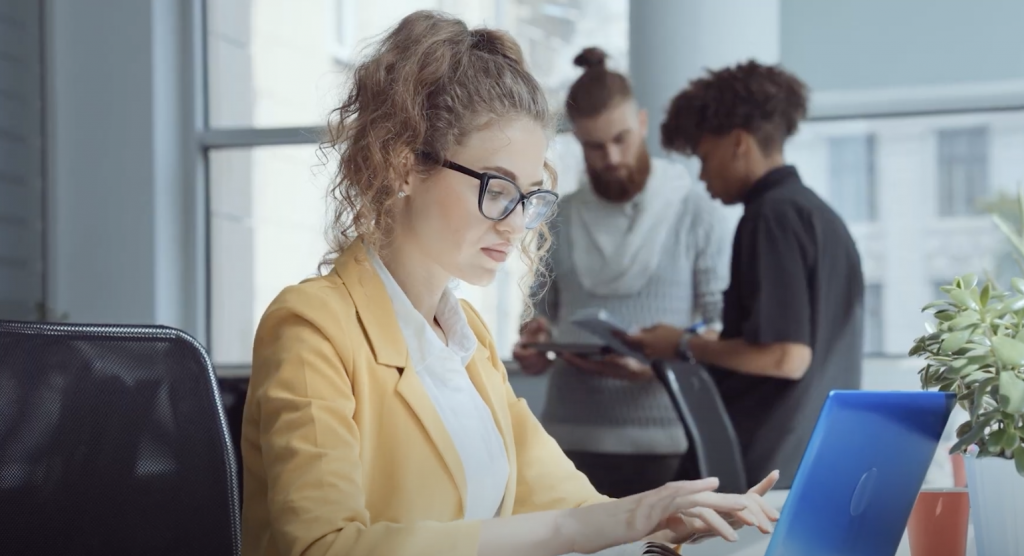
{"x":713,"y":237}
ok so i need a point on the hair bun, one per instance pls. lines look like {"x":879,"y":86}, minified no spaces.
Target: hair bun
{"x":591,"y":58}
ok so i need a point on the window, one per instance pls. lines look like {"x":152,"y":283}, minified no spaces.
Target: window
{"x":274,"y":70}
{"x":267,"y":231}
{"x":852,"y":177}
{"x":269,"y":64}
{"x":345,"y":31}
{"x":963,"y":171}
{"x":874,"y":327}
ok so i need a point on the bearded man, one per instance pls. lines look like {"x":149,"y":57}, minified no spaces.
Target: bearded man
{"x":642,"y":241}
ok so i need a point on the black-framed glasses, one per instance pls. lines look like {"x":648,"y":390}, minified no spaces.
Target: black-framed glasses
{"x":499,"y":196}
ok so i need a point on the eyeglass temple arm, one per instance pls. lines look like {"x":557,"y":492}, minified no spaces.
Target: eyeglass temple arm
{"x":462,"y":169}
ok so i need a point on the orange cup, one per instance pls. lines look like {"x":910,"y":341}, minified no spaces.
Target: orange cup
{"x":938,"y":523}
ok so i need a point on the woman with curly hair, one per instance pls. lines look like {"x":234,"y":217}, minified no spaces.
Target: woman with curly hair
{"x":793,"y":312}
{"x":379,"y":418}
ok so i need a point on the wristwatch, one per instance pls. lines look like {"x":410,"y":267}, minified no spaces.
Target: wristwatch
{"x":683,"y":349}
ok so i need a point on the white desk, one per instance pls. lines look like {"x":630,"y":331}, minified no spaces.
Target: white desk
{"x":753,"y":543}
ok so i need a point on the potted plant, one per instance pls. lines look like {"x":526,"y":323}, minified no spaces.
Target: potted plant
{"x":975,"y":348}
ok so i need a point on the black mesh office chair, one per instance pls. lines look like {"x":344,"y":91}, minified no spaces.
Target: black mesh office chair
{"x":714,"y":449}
{"x":112,"y":441}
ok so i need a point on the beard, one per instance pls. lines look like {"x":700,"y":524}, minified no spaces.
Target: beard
{"x":618,"y":187}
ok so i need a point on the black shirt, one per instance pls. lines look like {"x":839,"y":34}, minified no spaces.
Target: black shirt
{"x":796,"y":277}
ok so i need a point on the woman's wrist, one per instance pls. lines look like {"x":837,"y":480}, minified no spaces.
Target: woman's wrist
{"x":664,"y":536}
{"x":566,"y":530}
{"x":669,"y":537}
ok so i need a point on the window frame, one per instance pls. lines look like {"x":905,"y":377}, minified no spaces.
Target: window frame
{"x":343,"y":45}
{"x":956,"y":147}
{"x":871,"y":184}
{"x":874,"y":292}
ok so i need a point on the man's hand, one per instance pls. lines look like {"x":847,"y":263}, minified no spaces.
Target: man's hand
{"x":660,"y":341}
{"x":532,"y":361}
{"x":614,"y":366}
{"x":692,"y":526}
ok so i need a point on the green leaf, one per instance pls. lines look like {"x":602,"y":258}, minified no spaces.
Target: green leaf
{"x":1008,"y":351}
{"x":929,"y":328}
{"x":934,"y":305}
{"x":1003,"y":440}
{"x":969,"y":281}
{"x":977,"y":376}
{"x":986,"y":294}
{"x":980,"y":341}
{"x":945,"y":316}
{"x":979,"y":396}
{"x":964,"y":299}
{"x":1010,"y":441}
{"x":976,"y":295}
{"x":1011,"y":393}
{"x":1018,"y":459}
{"x":1020,"y":204}
{"x":1018,"y":284}
{"x":978,"y":403}
{"x":971,"y":437}
{"x":967,"y":370}
{"x":980,"y":357}
{"x":1012,"y":305}
{"x":966,"y":319}
{"x":954,"y":371}
{"x":956,"y":340}
{"x":995,"y":440}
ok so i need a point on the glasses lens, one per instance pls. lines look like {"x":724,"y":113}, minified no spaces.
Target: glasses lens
{"x":500,"y":198}
{"x":538,"y":205}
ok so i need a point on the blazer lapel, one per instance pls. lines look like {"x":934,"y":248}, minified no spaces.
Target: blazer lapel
{"x":377,"y":314}
{"x":496,"y":403}
{"x":411,"y":388}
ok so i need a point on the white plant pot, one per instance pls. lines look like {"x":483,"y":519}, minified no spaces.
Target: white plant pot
{"x":997,"y":505}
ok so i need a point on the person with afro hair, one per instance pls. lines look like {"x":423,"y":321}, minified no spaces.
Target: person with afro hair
{"x":792,"y":321}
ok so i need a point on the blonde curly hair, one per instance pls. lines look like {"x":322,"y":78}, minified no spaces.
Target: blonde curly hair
{"x":424,"y":87}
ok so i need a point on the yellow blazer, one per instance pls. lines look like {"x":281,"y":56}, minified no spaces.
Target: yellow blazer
{"x":343,"y":451}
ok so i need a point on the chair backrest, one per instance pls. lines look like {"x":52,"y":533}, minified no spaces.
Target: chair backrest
{"x":112,"y":441}
{"x":714,"y":449}
{"x":233,"y":392}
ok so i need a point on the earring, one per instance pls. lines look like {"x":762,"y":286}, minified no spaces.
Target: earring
{"x":402,"y":194}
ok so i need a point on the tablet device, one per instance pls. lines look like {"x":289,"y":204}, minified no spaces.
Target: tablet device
{"x":861,"y":473}
{"x":606,"y":328}
{"x":581,"y":350}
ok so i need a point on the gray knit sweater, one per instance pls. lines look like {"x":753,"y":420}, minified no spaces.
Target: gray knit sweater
{"x":606,"y":415}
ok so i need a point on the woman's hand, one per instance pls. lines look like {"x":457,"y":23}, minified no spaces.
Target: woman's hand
{"x":692,"y":526}
{"x":593,"y":528}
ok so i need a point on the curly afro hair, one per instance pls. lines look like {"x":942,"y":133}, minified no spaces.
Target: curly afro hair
{"x":765,"y":101}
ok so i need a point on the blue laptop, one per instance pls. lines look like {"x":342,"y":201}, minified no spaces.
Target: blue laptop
{"x":860,"y":475}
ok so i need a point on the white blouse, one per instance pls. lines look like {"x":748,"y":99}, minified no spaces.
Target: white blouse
{"x":442,"y":370}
